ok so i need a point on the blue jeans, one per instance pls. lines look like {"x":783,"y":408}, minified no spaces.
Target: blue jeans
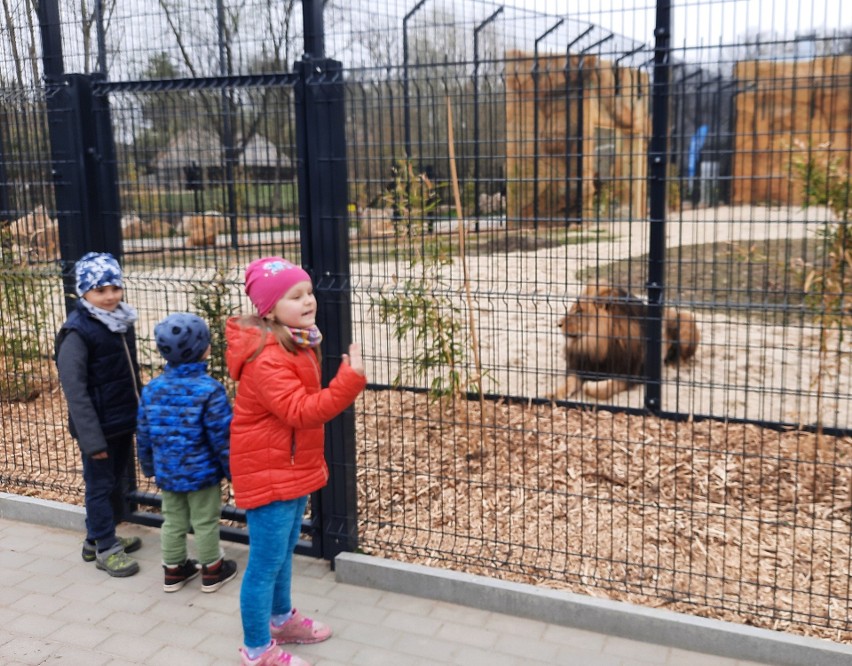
{"x":105,"y":483}
{"x":273,"y":534}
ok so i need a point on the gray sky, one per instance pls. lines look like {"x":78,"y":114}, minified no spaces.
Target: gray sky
{"x":705,"y":22}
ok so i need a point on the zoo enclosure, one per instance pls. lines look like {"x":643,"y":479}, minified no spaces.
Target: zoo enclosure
{"x":578,"y":153}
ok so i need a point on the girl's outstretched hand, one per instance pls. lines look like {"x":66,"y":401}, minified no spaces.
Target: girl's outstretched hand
{"x":353,"y":358}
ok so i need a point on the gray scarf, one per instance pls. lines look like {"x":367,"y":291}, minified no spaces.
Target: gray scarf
{"x":117,"y":321}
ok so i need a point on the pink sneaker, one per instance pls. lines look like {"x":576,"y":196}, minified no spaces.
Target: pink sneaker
{"x":300,"y":629}
{"x":274,"y":656}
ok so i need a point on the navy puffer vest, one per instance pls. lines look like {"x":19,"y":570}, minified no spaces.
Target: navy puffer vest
{"x":112,"y":379}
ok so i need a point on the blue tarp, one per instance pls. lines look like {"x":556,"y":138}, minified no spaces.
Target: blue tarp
{"x":696,"y":143}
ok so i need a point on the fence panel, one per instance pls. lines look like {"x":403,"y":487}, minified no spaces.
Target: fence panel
{"x":540,"y":144}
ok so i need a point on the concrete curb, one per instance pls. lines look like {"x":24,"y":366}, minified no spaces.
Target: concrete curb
{"x":626,"y":620}
{"x":43,"y":512}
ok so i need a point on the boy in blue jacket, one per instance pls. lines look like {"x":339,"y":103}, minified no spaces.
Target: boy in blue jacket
{"x":183,"y":439}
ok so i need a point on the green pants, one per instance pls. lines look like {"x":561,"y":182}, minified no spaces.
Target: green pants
{"x":199,"y":510}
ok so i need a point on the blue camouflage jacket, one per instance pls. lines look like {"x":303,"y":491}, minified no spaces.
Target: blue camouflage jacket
{"x":183,"y":431}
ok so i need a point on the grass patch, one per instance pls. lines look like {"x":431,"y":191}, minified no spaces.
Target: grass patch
{"x":252,"y":199}
{"x":484,"y":243}
{"x":747,"y":279}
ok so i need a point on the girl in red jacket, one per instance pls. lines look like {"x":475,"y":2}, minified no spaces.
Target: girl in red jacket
{"x":277,"y":444}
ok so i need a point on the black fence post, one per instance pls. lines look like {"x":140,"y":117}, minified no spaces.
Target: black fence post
{"x":100,"y":149}
{"x":82,"y":156}
{"x":83,"y":166}
{"x":476,"y":61}
{"x":85,"y":182}
{"x":323,"y":221}
{"x":405,"y":94}
{"x":6,"y":214}
{"x":228,"y":139}
{"x":657,"y":186}
{"x":60,"y":105}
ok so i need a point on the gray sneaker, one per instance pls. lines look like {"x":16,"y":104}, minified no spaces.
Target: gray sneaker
{"x":130,"y":544}
{"x":116,"y":562}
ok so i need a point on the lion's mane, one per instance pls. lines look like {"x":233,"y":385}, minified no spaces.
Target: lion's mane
{"x":605,"y":341}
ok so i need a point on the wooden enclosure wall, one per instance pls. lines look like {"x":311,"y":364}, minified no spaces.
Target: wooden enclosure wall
{"x":786,"y":111}
{"x":558,"y":112}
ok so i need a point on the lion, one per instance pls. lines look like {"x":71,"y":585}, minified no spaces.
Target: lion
{"x":605,"y":341}
{"x":202,"y":228}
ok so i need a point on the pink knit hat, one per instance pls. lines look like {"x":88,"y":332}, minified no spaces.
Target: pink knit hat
{"x":268,"y":279}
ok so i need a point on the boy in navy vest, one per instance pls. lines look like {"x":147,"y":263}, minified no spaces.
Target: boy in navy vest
{"x":99,"y":375}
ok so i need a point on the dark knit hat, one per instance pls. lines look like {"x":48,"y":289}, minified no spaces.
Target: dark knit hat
{"x":182,"y":337}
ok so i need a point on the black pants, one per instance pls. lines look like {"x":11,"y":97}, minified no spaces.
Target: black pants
{"x":105,"y":481}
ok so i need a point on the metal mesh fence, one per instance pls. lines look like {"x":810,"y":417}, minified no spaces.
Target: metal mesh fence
{"x":534,"y":413}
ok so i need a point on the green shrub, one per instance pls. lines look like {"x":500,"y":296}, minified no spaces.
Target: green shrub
{"x":827,"y":287}
{"x":212,"y":302}
{"x":25,"y":337}
{"x":421,"y":306}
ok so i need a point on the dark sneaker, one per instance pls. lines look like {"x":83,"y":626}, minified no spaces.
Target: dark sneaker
{"x":130,"y":545}
{"x":179,"y":575}
{"x":214,"y":576}
{"x":116,"y":562}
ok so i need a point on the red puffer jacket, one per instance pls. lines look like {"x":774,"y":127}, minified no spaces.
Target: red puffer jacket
{"x":277,"y":441}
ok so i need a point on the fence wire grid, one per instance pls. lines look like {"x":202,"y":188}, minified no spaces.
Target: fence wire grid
{"x":601,"y":273}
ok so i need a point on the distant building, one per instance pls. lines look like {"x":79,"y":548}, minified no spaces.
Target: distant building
{"x":195,"y":158}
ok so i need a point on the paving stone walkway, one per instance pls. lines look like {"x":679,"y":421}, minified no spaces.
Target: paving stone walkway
{"x":56,"y":609}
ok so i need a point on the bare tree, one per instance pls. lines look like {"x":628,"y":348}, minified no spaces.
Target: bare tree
{"x":12,"y":31}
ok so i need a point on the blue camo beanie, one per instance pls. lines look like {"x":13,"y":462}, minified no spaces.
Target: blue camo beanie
{"x":97,"y":269}
{"x":182,"y":337}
